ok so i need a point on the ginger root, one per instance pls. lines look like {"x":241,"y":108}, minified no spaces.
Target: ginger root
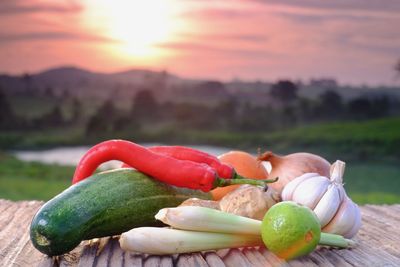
{"x":247,"y":200}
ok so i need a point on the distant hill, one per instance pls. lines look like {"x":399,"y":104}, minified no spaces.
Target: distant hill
{"x":165,"y":86}
{"x":80,"y":81}
{"x":122,"y":85}
{"x":62,"y":76}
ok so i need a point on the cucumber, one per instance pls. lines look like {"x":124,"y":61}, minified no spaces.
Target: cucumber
{"x":105,"y":204}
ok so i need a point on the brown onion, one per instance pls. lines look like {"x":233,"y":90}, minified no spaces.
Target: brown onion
{"x":293,"y":165}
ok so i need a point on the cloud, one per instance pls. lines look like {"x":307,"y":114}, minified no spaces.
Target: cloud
{"x":316,"y":9}
{"x":16,"y":7}
{"x":32,"y":36}
{"x":392,"y":6}
{"x":211,"y":13}
{"x":215,"y":50}
{"x":309,"y":11}
{"x":252,"y":38}
{"x":51,"y":24}
{"x":299,"y":17}
{"x":388,"y":45}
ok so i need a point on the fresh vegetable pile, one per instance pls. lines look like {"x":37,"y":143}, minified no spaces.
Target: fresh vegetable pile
{"x":288,"y":230}
{"x":208,"y":202}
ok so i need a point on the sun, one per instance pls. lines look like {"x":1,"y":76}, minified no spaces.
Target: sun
{"x":138,"y":25}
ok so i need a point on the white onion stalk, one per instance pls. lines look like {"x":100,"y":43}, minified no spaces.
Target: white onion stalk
{"x":208,"y":220}
{"x":161,"y":241}
{"x":202,"y":229}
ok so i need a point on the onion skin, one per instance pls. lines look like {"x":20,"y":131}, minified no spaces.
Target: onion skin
{"x":294,"y":165}
{"x":245,"y":165}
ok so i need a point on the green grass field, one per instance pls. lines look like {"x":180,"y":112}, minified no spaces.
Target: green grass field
{"x":366,"y":140}
{"x":365,"y":182}
{"x":25,"y":180}
{"x":372,"y":182}
{"x":370,"y":148}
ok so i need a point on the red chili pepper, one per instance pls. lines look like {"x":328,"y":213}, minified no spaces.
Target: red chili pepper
{"x":186,"y":153}
{"x":182,"y":173}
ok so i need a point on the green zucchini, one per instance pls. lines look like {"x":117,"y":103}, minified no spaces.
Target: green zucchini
{"x":105,"y":204}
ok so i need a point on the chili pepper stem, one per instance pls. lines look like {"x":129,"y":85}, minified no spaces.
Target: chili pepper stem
{"x":220,"y":182}
{"x":237,"y":176}
{"x":336,"y":241}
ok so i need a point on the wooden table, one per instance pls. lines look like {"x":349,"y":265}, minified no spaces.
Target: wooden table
{"x":378,"y":245}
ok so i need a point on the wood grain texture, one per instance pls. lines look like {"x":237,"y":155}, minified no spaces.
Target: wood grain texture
{"x":213,"y":260}
{"x":378,"y":245}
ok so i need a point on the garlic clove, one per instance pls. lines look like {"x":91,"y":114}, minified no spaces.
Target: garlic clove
{"x":342,"y":192}
{"x":328,"y":204}
{"x":309,"y":192}
{"x":356,"y":225}
{"x":289,"y":188}
{"x":344,"y":218}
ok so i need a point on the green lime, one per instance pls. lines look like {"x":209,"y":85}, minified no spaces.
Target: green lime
{"x":290,"y":230}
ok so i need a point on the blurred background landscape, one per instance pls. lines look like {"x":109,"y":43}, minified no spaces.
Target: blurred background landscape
{"x":254,"y":75}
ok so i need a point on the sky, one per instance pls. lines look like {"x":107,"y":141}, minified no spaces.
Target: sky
{"x":354,"y":41}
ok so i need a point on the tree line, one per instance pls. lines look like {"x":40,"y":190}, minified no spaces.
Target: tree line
{"x":287,"y":109}
{"x":53,"y":118}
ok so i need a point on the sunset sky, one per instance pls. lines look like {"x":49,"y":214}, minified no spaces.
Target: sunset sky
{"x":354,"y":41}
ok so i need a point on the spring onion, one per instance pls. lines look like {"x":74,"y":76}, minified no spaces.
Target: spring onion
{"x":208,"y":220}
{"x":161,"y":241}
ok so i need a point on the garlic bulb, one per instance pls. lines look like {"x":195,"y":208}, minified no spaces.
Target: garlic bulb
{"x":337,"y":213}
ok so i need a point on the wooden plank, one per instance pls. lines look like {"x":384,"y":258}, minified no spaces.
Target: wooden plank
{"x":133,"y":259}
{"x":158,"y":261}
{"x":394,"y":207}
{"x":69,"y":260}
{"x":374,"y":230}
{"x":301,"y":262}
{"x":378,"y":245}
{"x":359,"y":258}
{"x":384,"y":210}
{"x":103,"y":257}
{"x":6,"y":216}
{"x":213,"y":259}
{"x":166,"y":261}
{"x":381,"y":238}
{"x":117,"y":256}
{"x":4,"y":205}
{"x":271,"y":258}
{"x":193,"y":259}
{"x":235,"y":258}
{"x":47,"y":262}
{"x":88,"y":256}
{"x":383,"y":216}
{"x":16,"y":248}
{"x":324,"y":257}
{"x":222,"y":252}
{"x":254,"y":257}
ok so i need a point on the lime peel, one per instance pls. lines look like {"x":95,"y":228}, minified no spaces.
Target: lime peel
{"x":290,"y":230}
